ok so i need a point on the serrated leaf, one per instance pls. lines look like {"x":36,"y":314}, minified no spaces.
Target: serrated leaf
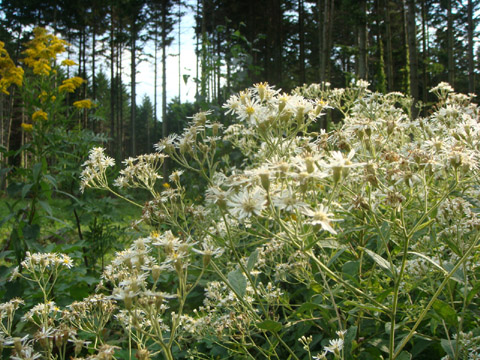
{"x":270,"y":325}
{"x":252,"y":259}
{"x":238,"y":282}
{"x":446,"y":312}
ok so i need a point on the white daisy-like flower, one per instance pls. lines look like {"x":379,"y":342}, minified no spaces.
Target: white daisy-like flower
{"x":247,"y":203}
{"x":321,"y":216}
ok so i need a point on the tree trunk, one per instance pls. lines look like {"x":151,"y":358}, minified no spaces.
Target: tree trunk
{"x":412,"y":49}
{"x":406,"y":74}
{"x":425,"y":56}
{"x":388,"y":29}
{"x":133,"y":72}
{"x":362,"y":41}
{"x":301,"y":33}
{"x":155,"y":80}
{"x":471,"y":28}
{"x":164,"y":82}
{"x":112,"y":84}
{"x":451,"y":64}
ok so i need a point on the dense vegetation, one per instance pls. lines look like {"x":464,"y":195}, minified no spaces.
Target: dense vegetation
{"x":333,"y":220}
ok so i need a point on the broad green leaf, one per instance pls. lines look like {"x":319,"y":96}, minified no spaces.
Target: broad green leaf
{"x":270,"y":325}
{"x":404,"y":355}
{"x":46,"y":206}
{"x":380,"y":261}
{"x":36,"y":170}
{"x":26,"y":188}
{"x":446,"y":312}
{"x":252,"y":259}
{"x":238,"y":282}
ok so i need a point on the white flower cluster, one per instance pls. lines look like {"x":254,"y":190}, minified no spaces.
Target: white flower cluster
{"x":94,"y":172}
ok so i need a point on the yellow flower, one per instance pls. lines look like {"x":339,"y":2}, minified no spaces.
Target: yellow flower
{"x":9,"y":73}
{"x":83,"y":104}
{"x":69,"y":85}
{"x":39,"y":115}
{"x":68,"y":62}
{"x":42,"y":50}
{"x":166,"y":185}
{"x":26,"y":127}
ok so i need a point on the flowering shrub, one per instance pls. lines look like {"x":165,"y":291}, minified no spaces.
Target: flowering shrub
{"x":355,"y":243}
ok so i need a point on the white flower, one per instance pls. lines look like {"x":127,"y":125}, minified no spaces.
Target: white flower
{"x":321,"y":216}
{"x":247,"y":203}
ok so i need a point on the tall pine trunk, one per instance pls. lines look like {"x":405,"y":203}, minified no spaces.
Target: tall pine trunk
{"x":412,"y":50}
{"x":362,"y":41}
{"x":471,"y":61}
{"x":133,"y":73}
{"x":451,"y":63}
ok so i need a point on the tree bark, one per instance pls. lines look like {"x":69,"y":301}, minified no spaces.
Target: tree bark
{"x":133,"y":71}
{"x":389,"y":62}
{"x":362,"y":41}
{"x":301,"y":33}
{"x":412,"y":48}
{"x":451,"y":64}
{"x":471,"y":61}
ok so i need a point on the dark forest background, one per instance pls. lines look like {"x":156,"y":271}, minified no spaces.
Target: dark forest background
{"x":397,"y":45}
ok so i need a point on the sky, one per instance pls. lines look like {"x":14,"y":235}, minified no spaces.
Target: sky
{"x":145,"y":76}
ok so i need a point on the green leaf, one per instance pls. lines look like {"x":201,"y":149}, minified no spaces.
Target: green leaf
{"x":36,"y":170}
{"x":384,"y":264}
{"x":349,"y":338}
{"x":449,"y":346}
{"x":26,"y":188}
{"x":404,"y":355}
{"x":46,"y":206}
{"x":238,"y":282}
{"x":471,"y":294}
{"x":270,"y":325}
{"x":446,"y":312}
{"x":431,"y":261}
{"x":252,"y":259}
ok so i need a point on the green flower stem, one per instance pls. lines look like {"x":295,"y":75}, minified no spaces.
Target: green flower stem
{"x":344,"y":283}
{"x":435,"y":296}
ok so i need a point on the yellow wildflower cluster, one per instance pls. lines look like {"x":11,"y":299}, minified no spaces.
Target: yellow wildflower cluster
{"x":83,"y":104}
{"x":27,"y":127}
{"x":9,"y":73}
{"x":39,"y":115}
{"x":68,"y":62}
{"x":69,"y":85}
{"x":41,"y":50}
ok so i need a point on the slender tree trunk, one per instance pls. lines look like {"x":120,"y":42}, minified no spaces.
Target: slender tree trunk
{"x":324,"y":54}
{"x":381,"y":77}
{"x":204,"y":76}
{"x":471,"y":28}
{"x":112,"y":84}
{"x":412,"y":50}
{"x":451,"y":63}
{"x":133,"y":73}
{"x":155,"y":81}
{"x":164,"y":82}
{"x":329,"y":38}
{"x":362,"y":42}
{"x":406,"y":75}
{"x":425,"y":55}
{"x":179,"y":52}
{"x":301,"y":33}
{"x":320,"y":39}
{"x":388,"y":29}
